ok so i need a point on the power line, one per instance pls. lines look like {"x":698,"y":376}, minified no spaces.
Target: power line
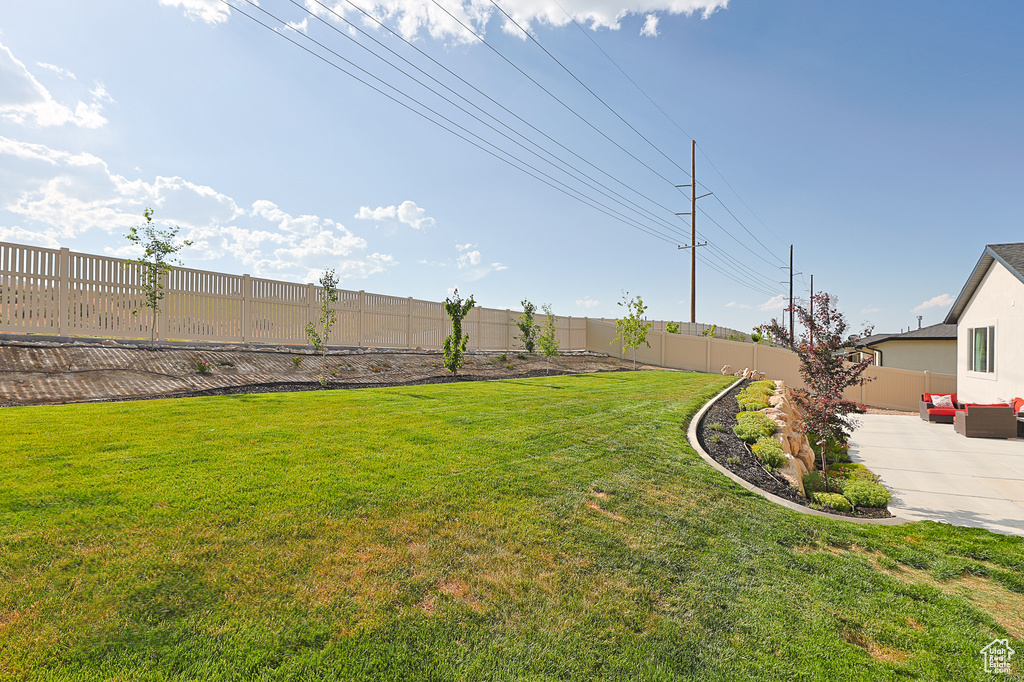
{"x":651,"y":215}
{"x":587,"y":88}
{"x":585,"y":200}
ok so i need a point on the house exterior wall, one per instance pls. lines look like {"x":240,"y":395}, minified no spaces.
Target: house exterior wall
{"x":920,"y":355}
{"x":999,"y":302}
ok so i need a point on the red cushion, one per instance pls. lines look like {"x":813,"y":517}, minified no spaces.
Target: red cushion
{"x":986,"y":405}
{"x":1018,"y":404}
{"x":942,"y":411}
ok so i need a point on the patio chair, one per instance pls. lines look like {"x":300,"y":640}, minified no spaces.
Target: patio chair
{"x":985,"y":421}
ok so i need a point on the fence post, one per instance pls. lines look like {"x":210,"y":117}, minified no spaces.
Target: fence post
{"x":508,"y":329}
{"x":927,"y":381}
{"x":246,"y":309}
{"x":568,"y":332}
{"x":707,"y":351}
{"x":408,"y":324}
{"x":311,"y":303}
{"x":664,"y":339}
{"x":753,"y":358}
{"x":586,"y":324}
{"x":63,"y":289}
{"x":163,"y":316}
{"x":359,"y":326}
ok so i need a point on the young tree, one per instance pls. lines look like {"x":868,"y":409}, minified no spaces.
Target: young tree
{"x":456,"y":342}
{"x":825,"y":372}
{"x":527,"y":328}
{"x":319,"y":332}
{"x":672,"y":327}
{"x":158,"y":248}
{"x":548,"y":339}
{"x":631,"y":329}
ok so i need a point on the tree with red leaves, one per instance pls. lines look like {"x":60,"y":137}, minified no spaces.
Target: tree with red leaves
{"x":825,"y":371}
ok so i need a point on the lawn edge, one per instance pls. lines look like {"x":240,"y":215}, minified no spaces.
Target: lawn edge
{"x":691,"y":435}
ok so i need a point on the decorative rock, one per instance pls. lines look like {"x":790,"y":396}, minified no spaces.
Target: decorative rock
{"x":726,"y":370}
{"x":793,"y":471}
{"x":806,"y":454}
{"x":108,"y":342}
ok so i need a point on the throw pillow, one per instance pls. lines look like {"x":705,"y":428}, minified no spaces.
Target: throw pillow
{"x":942,"y":400}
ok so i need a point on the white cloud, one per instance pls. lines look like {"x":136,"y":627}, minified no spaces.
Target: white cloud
{"x":378,"y":214}
{"x":464,"y":247}
{"x":586,"y":302}
{"x":734,"y":304}
{"x":63,"y":73}
{"x":413,"y":16}
{"x":22,"y":236}
{"x":24,"y":100}
{"x":469,"y":258}
{"x":300,"y":26}
{"x":498,"y":267}
{"x":774,"y":303}
{"x":407,"y":212}
{"x":650,"y":28}
{"x":210,"y":11}
{"x":61,"y":196}
{"x":940,"y":301}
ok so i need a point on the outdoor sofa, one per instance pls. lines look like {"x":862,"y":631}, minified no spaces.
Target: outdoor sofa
{"x":938,"y":415}
{"x":986,"y":421}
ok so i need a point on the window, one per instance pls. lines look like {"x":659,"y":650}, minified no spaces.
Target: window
{"x":983,"y":346}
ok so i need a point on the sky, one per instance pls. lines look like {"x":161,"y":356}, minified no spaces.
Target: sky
{"x":530,"y":149}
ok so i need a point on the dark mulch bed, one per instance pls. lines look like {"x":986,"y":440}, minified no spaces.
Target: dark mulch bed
{"x":749,"y":467}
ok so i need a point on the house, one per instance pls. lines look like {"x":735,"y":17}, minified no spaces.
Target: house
{"x":990,"y":327}
{"x":927,"y":349}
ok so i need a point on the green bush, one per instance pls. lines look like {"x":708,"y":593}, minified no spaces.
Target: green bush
{"x":852,"y":470}
{"x":753,"y":425}
{"x":769,"y":451}
{"x":834,"y":500}
{"x":756,"y":396}
{"x":863,"y":493}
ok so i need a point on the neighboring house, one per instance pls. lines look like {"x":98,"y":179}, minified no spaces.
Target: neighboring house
{"x":990,"y":327}
{"x":928,"y":349}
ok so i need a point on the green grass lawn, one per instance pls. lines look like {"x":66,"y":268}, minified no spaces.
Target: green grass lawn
{"x":553,"y":528}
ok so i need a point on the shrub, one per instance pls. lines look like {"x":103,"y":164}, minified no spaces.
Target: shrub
{"x":715,"y":438}
{"x":756,"y":396}
{"x":296,"y":361}
{"x":753,"y":425}
{"x":503,"y":357}
{"x":769,"y":451}
{"x":716,"y":426}
{"x":203,"y":367}
{"x":672,"y":327}
{"x":862,"y":493}
{"x":834,"y":500}
{"x":521,"y":356}
{"x":733,"y":461}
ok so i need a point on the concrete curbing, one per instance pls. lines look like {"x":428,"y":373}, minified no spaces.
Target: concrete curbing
{"x":691,"y":435}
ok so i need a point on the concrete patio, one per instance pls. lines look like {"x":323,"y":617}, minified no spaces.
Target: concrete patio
{"x":936,"y":474}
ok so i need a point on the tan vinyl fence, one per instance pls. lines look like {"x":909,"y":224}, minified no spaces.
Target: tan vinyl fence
{"x":890,"y":388}
{"x":63,"y":293}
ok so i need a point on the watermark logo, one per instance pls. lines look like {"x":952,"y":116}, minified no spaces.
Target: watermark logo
{"x":997,"y":656}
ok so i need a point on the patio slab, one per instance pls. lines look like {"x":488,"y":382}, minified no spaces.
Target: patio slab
{"x":936,"y":474}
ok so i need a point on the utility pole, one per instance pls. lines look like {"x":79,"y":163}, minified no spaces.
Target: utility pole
{"x":693,"y":230}
{"x":811,"y":331}
{"x":792,"y":340}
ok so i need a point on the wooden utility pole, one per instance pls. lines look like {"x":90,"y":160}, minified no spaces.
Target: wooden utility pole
{"x":811,"y":330}
{"x":693,"y":230}
{"x":792,"y":338}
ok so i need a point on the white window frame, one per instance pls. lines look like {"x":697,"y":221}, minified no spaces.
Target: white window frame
{"x":989,"y":336}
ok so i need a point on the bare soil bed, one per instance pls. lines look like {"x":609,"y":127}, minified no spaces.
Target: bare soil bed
{"x":725,"y":445}
{"x":39,"y":372}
